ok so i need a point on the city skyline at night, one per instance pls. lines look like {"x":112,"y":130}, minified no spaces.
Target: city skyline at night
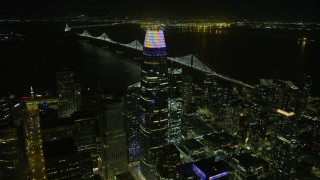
{"x":166,"y":90}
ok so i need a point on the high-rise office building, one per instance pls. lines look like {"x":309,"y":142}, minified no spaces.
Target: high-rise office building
{"x":153,"y":101}
{"x":303,"y":95}
{"x":113,"y":138}
{"x":86,"y":134}
{"x":57,"y":129}
{"x":168,"y":160}
{"x":12,"y":152}
{"x":284,"y":157}
{"x":231,"y":118}
{"x":63,"y":161}
{"x":174,"y":105}
{"x":186,"y":93}
{"x":257,"y":126}
{"x":286,"y":123}
{"x":249,"y":166}
{"x":77,"y":96}
{"x":132,"y":114}
{"x":207,"y":88}
{"x":66,"y":93}
{"x":91,"y":98}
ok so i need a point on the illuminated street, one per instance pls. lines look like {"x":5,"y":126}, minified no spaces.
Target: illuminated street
{"x":34,"y":143}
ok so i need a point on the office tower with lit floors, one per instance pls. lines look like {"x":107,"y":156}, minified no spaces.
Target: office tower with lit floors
{"x":153,"y":101}
{"x":113,"y":155}
{"x":66,"y":93}
{"x":132,"y":121}
{"x":285,"y":155}
{"x":207,"y":90}
{"x":85,"y":134}
{"x":186,"y":92}
{"x":168,"y":160}
{"x":13,"y":163}
{"x":174,"y":105}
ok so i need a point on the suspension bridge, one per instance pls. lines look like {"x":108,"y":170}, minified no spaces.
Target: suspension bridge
{"x":68,"y":28}
{"x":188,"y":60}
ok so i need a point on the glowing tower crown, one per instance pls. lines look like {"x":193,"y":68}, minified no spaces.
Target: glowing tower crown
{"x":154,"y":43}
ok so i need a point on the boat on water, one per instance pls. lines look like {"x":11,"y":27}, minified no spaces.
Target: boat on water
{"x":119,"y":52}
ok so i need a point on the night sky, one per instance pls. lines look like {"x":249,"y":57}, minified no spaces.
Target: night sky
{"x":263,"y":9}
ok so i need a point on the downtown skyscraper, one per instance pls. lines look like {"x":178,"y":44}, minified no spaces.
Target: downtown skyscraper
{"x":153,"y":101}
{"x":113,"y":155}
{"x":13,"y":164}
{"x":66,"y":93}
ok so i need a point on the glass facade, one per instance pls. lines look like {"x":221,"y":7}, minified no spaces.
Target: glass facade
{"x":113,"y":138}
{"x":174,"y":105}
{"x":132,"y":114}
{"x":153,"y":101}
{"x":12,"y":151}
{"x":65,"y":87}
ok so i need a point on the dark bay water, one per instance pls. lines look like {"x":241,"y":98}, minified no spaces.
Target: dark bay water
{"x":247,"y":55}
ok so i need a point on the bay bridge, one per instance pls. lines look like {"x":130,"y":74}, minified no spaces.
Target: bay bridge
{"x":68,"y":28}
{"x":188,"y":60}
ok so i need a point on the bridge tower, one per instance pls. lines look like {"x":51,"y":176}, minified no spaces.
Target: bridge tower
{"x":67,"y":28}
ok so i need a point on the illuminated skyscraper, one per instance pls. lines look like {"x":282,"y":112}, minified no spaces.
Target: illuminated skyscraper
{"x":68,"y":163}
{"x":65,"y":87}
{"x":186,"y":92}
{"x":284,"y":157}
{"x":168,"y":160}
{"x":12,"y":152}
{"x":207,"y":87}
{"x":86,"y":134}
{"x":286,"y":123}
{"x":113,"y":138}
{"x":175,"y":105}
{"x":132,"y":114}
{"x":153,"y":101}
{"x":257,"y":126}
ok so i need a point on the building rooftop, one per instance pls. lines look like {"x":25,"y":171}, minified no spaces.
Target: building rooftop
{"x":190,"y":145}
{"x":207,"y":168}
{"x":219,"y":140}
{"x":185,"y":170}
{"x":59,"y":148}
{"x":272,"y":82}
{"x":56,"y":123}
{"x":285,"y":113}
{"x":154,"y":39}
{"x":292,"y":141}
{"x":154,"y":44}
{"x":247,"y":160}
{"x":201,"y":130}
{"x":82,"y":114}
{"x":136,"y":85}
